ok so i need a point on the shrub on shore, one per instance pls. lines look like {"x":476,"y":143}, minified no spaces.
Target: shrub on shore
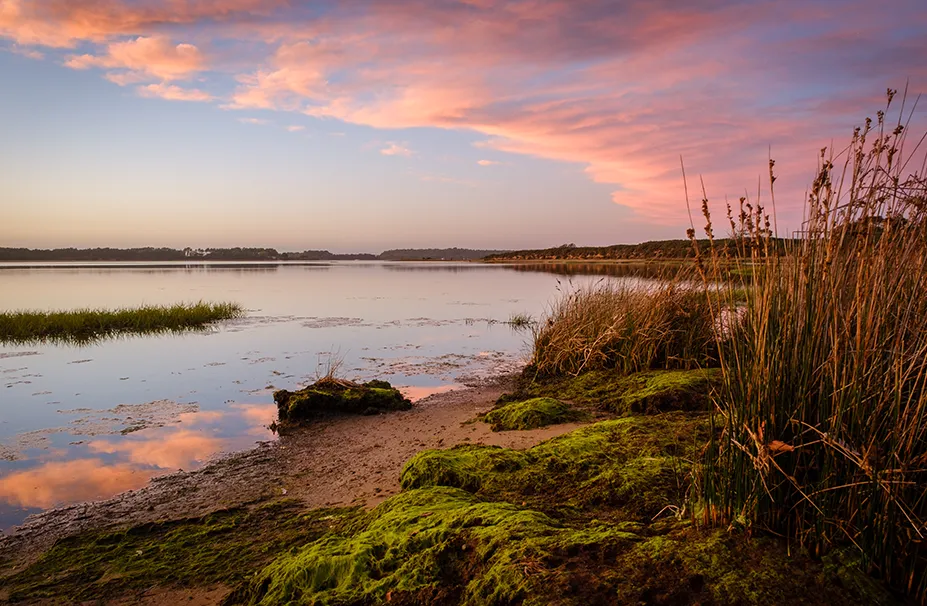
{"x":85,"y":325}
{"x":823,"y":405}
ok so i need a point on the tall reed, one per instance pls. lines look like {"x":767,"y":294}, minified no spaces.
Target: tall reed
{"x":622,"y":326}
{"x":822,"y":417}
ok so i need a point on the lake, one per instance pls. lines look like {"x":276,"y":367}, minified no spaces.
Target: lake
{"x":81,"y":423}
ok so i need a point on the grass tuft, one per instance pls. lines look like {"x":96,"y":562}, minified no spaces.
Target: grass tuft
{"x":623,"y":327}
{"x":88,"y":325}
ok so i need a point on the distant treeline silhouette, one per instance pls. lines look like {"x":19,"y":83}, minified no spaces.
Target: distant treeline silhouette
{"x":656,"y":249}
{"x":442,"y":254}
{"x":232,"y":254}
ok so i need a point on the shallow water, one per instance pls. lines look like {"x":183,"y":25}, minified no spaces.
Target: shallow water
{"x":84,"y":423}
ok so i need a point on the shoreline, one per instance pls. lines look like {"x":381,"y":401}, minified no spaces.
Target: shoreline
{"x":341,"y":461}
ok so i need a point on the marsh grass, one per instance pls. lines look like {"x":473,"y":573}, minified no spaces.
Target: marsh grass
{"x":624,"y":327}
{"x":822,"y":415}
{"x":521,"y":321}
{"x":88,"y":325}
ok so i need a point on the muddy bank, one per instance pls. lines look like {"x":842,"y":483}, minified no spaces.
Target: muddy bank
{"x":342,"y":461}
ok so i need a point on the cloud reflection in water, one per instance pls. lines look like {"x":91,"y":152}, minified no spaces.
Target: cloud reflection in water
{"x":122,"y":463}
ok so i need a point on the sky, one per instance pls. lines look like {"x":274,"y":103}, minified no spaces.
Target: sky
{"x":357,"y":126}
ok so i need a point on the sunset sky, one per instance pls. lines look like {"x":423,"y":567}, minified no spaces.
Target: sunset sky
{"x":365,"y":125}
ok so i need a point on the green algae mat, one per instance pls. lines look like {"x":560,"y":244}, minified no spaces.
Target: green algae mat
{"x":531,"y":414}
{"x":596,"y":516}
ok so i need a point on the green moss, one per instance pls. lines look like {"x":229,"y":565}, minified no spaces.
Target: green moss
{"x":328,"y":396}
{"x":579,"y":519}
{"x":466,"y":467}
{"x":531,"y":414}
{"x":223,"y":547}
{"x":659,"y":391}
{"x":645,"y":392}
{"x":685,"y":566}
{"x":627,"y":469}
{"x":442,"y":545}
{"x":432,"y":545}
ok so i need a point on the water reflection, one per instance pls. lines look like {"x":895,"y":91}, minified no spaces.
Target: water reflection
{"x":417,"y":392}
{"x":617,"y":270}
{"x":425,"y":266}
{"x":65,"y":482}
{"x":177,"y":450}
{"x":62,"y":405}
{"x":106,"y":466}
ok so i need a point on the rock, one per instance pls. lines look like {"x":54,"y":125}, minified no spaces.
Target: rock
{"x":336,"y":396}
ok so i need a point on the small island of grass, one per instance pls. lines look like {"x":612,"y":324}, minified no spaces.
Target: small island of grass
{"x":86,"y":325}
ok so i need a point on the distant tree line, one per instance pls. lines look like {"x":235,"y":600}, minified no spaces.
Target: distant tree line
{"x":232,"y":254}
{"x":436,"y":254}
{"x":656,"y":249}
{"x":137,"y":254}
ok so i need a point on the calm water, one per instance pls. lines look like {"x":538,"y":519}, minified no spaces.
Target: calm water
{"x":84,"y":423}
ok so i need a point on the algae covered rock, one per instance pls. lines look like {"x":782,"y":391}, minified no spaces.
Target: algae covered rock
{"x":327,"y":396}
{"x":663,"y":390}
{"x":631,"y":468}
{"x":650,"y":392}
{"x":467,"y":466}
{"x":435,"y":545}
{"x":445,"y":546}
{"x":530,"y":414}
{"x":224,"y":547}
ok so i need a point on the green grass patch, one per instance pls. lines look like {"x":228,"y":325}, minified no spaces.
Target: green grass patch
{"x":87,"y":325}
{"x":531,"y":414}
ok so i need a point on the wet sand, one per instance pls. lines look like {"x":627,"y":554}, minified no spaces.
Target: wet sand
{"x":334,"y":462}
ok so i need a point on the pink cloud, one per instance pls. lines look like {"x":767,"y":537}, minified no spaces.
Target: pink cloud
{"x":29,"y":53}
{"x":620,"y":90}
{"x":154,"y":57}
{"x":172,"y":92}
{"x":394,"y":149}
{"x":295,"y":128}
{"x":488,"y":162}
{"x":63,"y":24}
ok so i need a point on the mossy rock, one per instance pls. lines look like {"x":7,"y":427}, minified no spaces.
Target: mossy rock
{"x":333,"y":396}
{"x":650,"y":392}
{"x":662,"y":390}
{"x":445,"y":546}
{"x":531,"y":414}
{"x":224,"y":547}
{"x":628,"y":469}
{"x":468,"y":467}
{"x":435,"y":545}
